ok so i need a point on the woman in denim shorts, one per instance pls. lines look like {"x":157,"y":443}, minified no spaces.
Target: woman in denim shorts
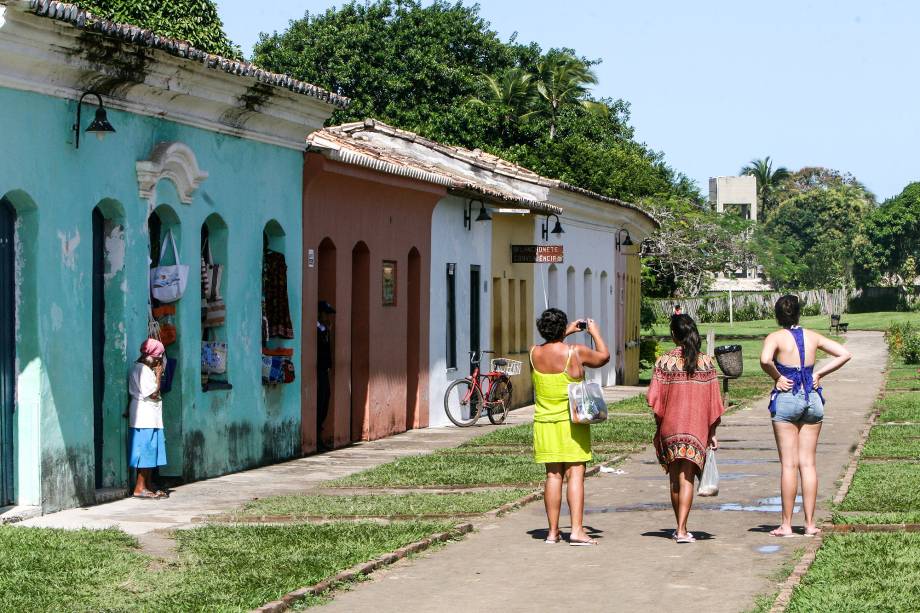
{"x":797,"y":406}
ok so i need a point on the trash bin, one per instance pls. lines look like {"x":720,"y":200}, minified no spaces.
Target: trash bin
{"x":730,"y":360}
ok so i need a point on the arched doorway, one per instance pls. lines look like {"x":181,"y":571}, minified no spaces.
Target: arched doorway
{"x":360,"y":337}
{"x":552,"y":282}
{"x":7,"y":347}
{"x":162,"y":222}
{"x":325,"y":366}
{"x":413,"y":336}
{"x":570,"y":308}
{"x":109,"y":358}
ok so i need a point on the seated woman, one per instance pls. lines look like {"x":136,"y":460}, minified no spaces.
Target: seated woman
{"x":562,"y":446}
{"x":797,"y":406}
{"x":684,"y":394}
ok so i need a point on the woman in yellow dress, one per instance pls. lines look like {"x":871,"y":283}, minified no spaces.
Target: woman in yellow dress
{"x":562,"y":446}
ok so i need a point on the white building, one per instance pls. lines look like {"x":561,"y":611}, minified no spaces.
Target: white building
{"x":738,"y":194}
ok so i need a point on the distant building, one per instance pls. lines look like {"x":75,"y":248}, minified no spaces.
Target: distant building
{"x":738,"y":195}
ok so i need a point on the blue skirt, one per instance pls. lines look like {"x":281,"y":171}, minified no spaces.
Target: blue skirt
{"x":148,"y":448}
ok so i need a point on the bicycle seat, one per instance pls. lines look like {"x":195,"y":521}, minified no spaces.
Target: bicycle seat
{"x":500,"y":362}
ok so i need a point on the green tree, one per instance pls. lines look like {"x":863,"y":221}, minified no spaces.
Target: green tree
{"x":822,"y":230}
{"x":768,"y":180}
{"x":195,"y":21}
{"x":514,"y":93}
{"x":892,"y":236}
{"x":563,"y":80}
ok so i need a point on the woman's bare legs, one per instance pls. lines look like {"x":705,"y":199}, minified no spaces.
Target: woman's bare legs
{"x":144,"y":477}
{"x":787,"y":443}
{"x":552,"y":497}
{"x":575,"y":497}
{"x":681,"y":473}
{"x":807,"y":449}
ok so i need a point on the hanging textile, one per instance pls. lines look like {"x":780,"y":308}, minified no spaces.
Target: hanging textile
{"x":275,"y":296}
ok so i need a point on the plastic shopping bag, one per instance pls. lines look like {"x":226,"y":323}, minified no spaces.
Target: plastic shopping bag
{"x":586,"y":403}
{"x":709,"y":482}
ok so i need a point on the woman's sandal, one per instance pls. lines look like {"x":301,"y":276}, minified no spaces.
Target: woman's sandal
{"x":148,"y":495}
{"x":581,"y":543}
{"x":674,"y":535}
{"x":814,"y":532}
{"x":779,"y":534}
{"x":550,"y":541}
{"x":687,"y":538}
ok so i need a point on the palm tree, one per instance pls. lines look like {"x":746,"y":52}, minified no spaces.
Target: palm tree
{"x":514,"y":92}
{"x":563,"y":80}
{"x":767,"y":181}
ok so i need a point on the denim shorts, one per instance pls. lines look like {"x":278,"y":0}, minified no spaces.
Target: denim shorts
{"x":796,"y":409}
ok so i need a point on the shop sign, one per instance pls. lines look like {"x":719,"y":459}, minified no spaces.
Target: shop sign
{"x":536,"y":254}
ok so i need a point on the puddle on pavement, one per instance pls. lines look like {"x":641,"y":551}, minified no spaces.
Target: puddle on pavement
{"x":762,"y":505}
{"x":768,"y":549}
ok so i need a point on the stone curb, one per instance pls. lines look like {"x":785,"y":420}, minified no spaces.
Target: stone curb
{"x":811,"y":550}
{"x":365,"y":568}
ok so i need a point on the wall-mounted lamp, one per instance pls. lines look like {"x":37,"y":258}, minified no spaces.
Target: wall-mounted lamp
{"x":557,"y":229}
{"x":99,"y":126}
{"x":626,"y":242}
{"x":468,"y":214}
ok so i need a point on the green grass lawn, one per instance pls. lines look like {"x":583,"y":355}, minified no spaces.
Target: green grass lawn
{"x":636,"y":404}
{"x":220,"y":568}
{"x":896,"y":441}
{"x":900,"y":407}
{"x":821,"y":323}
{"x":907,"y":517}
{"x":380,"y":505}
{"x":888,"y":486}
{"x":874,"y":572}
{"x":907,"y":384}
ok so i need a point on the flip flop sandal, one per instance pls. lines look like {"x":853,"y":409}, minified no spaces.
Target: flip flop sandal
{"x":146,"y":495}
{"x":578,"y":543}
{"x":815,"y":533}
{"x":685,"y":539}
{"x":553,"y":541}
{"x":161,"y":494}
{"x":674,"y":535}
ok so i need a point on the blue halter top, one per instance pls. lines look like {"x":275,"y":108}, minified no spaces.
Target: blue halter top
{"x":802,"y":377}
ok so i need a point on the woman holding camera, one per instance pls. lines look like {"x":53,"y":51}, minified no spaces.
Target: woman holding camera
{"x":562,"y":446}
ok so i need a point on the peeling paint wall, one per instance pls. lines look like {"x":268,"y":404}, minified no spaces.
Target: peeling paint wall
{"x":249,"y":184}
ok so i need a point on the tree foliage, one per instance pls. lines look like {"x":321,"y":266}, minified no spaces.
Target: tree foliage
{"x":439,"y":70}
{"x":195,"y":21}
{"x":891,"y":247}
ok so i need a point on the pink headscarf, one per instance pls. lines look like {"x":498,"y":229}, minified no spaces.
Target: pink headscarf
{"x":153,"y":348}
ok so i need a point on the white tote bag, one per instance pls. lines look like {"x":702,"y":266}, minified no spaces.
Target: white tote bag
{"x":167,"y":283}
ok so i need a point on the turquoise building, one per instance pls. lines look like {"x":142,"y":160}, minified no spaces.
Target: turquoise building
{"x":204,"y":147}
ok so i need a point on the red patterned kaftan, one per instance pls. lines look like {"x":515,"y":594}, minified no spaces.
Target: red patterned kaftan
{"x":685,"y":407}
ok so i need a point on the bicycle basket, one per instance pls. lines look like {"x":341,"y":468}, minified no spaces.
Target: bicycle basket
{"x":507,"y":366}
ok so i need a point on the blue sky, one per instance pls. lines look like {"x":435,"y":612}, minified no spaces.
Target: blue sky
{"x":714,"y":84}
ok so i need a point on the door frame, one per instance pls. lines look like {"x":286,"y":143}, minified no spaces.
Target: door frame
{"x":7,"y":351}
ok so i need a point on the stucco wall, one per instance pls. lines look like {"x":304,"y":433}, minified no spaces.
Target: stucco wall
{"x":391,"y":216}
{"x":249,"y":184}
{"x":586,"y":248}
{"x":465,"y":248}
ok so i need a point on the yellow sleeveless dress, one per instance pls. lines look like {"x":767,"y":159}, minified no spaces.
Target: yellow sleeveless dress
{"x":555,"y":437}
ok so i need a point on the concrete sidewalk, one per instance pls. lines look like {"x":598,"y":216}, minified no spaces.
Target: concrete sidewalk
{"x":505,"y":566}
{"x":222,"y":494}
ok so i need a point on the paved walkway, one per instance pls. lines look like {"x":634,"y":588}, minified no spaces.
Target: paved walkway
{"x":505,"y":566}
{"x":221,"y":494}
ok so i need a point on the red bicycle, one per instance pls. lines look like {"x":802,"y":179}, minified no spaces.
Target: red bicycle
{"x":465,"y":400}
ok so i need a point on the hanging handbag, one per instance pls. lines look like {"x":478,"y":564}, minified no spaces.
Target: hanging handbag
{"x":167,"y":283}
{"x":213,"y":309}
{"x":213,"y":357}
{"x":586,"y":402}
{"x":165,"y":317}
{"x":277,"y":365}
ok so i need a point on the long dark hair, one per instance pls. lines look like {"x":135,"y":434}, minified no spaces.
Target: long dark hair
{"x":687,"y":337}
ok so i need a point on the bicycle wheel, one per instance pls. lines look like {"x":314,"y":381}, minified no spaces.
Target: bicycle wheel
{"x":462,"y":402}
{"x":500,"y":400}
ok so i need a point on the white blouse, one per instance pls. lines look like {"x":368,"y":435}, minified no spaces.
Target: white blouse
{"x":144,"y":411}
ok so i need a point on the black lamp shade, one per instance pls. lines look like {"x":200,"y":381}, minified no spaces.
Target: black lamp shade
{"x":100,"y":126}
{"x":557,"y":229}
{"x":627,"y":242}
{"x":483,"y":214}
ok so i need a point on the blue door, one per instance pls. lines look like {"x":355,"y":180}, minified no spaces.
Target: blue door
{"x":7,"y":349}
